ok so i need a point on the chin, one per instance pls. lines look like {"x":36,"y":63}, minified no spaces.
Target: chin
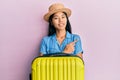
{"x":62,"y":28}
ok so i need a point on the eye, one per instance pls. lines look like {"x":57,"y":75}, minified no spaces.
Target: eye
{"x":55,"y":18}
{"x":63,"y":17}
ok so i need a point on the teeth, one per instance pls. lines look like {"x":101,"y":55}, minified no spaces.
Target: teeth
{"x":61,"y":24}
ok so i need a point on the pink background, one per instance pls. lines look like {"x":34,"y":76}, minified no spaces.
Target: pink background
{"x":22,"y":27}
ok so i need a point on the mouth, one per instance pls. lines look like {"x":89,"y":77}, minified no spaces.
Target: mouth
{"x":61,"y":24}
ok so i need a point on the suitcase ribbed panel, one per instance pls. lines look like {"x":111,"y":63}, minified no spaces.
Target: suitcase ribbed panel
{"x":58,"y":68}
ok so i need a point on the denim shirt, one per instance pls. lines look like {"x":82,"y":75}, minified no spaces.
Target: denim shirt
{"x":50,"y":44}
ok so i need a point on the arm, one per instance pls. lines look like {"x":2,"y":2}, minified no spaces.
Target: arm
{"x":75,"y":47}
{"x":43,"y":47}
{"x":78,"y":46}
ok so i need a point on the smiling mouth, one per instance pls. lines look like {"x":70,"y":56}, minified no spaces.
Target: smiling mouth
{"x":61,"y":24}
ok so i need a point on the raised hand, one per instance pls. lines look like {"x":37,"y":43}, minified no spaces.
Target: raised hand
{"x":70,"y":47}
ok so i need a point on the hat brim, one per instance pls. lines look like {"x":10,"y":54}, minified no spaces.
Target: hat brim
{"x":66,"y":10}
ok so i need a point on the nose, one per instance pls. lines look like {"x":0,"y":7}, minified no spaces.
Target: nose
{"x":60,"y":19}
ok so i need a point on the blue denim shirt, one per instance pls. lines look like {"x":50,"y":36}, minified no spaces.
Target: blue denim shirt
{"x":50,"y":44}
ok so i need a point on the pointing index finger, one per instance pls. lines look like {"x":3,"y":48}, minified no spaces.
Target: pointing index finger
{"x":75,"y":41}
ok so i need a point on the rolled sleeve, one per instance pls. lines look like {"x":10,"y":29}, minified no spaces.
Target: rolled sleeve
{"x":43,"y":47}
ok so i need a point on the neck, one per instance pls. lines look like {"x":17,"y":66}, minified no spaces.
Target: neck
{"x":61,"y":34}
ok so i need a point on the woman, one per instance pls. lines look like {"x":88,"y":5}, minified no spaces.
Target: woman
{"x":60,"y":37}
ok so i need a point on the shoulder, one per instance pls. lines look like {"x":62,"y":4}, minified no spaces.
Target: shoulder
{"x":75,"y":36}
{"x":47,"y":38}
{"x":72,"y":35}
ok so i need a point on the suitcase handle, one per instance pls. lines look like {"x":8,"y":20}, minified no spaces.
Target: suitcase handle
{"x":58,"y":54}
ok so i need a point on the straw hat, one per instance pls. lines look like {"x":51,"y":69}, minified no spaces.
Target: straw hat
{"x":57,"y":7}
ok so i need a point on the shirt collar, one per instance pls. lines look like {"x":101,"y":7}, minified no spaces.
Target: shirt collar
{"x":68,"y":35}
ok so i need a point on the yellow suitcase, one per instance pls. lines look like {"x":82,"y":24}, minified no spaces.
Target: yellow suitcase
{"x":58,"y":67}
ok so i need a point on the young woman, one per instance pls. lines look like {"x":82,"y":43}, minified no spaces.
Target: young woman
{"x":60,"y":37}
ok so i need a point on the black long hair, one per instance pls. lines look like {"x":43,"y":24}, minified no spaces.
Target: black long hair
{"x":51,"y":29}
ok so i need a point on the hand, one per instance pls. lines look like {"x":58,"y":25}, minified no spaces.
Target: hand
{"x":70,"y":47}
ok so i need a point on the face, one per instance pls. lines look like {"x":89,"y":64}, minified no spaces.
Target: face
{"x":59,"y":21}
